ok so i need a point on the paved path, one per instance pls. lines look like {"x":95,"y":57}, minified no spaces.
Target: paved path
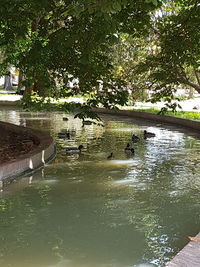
{"x":187,"y":105}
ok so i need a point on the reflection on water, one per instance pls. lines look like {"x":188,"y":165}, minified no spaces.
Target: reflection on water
{"x":86,"y":211}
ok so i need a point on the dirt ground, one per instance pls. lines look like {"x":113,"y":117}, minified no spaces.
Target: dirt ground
{"x":13,"y":145}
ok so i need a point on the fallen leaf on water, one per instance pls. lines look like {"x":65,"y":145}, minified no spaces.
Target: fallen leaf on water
{"x":195,"y":239}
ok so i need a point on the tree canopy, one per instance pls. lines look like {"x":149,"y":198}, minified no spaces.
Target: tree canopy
{"x":53,"y":43}
{"x":177,"y":59}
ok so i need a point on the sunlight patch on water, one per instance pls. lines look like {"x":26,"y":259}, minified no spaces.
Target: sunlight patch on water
{"x":129,"y":182}
{"x":75,"y":179}
{"x":119,"y":163}
{"x":61,"y":263}
{"x":176,"y":193}
{"x":120,"y":129}
{"x":35,"y":118}
{"x":124,"y":181}
{"x":70,"y":263}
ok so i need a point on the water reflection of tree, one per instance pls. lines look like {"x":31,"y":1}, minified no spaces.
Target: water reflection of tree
{"x":23,"y":217}
{"x":167,"y":194}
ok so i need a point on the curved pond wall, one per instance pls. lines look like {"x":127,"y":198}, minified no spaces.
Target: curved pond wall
{"x":195,"y":125}
{"x":44,"y":152}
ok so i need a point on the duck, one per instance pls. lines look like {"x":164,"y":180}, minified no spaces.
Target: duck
{"x":74,"y":150}
{"x":111,"y":156}
{"x":129,"y":150}
{"x":127,"y":147}
{"x":65,"y":119}
{"x":148,"y":134}
{"x":63,"y":135}
{"x":135,"y":138}
{"x":86,"y":123}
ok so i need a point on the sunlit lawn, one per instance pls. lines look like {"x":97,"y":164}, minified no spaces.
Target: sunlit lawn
{"x":181,"y":114}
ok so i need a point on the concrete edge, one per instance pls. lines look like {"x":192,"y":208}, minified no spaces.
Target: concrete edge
{"x":30,"y":162}
{"x":195,"y":125}
{"x":189,"y":256}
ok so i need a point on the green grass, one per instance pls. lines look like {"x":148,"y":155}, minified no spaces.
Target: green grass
{"x":181,"y":114}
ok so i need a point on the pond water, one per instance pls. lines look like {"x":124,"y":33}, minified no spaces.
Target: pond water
{"x":87,"y":211}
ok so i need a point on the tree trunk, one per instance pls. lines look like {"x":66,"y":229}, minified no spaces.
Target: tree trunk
{"x":27,"y":94}
{"x":20,"y":79}
{"x":7,"y":82}
{"x":197,"y":76}
{"x":20,"y":87}
{"x":195,"y":86}
{"x":35,"y":87}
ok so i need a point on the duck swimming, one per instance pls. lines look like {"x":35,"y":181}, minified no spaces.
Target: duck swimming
{"x":129,"y":150}
{"x":127,"y":147}
{"x":135,"y":138}
{"x":65,"y":119}
{"x":86,"y":123}
{"x":148,"y":134}
{"x":63,"y":135}
{"x":111,"y":156}
{"x":74,"y":150}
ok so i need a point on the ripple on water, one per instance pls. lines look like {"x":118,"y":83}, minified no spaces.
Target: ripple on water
{"x":121,"y":203}
{"x":124,"y":181}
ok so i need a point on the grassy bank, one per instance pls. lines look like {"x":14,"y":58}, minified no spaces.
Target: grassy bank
{"x":181,"y":114}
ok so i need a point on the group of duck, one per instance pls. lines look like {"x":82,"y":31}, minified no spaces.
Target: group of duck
{"x":128,"y":149}
{"x":66,"y":135}
{"x":70,"y":150}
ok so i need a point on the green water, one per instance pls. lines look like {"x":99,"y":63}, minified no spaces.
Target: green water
{"x":86,"y":211}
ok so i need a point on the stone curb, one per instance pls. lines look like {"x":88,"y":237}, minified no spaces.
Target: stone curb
{"x":189,"y":256}
{"x":27,"y":163}
{"x":195,"y":125}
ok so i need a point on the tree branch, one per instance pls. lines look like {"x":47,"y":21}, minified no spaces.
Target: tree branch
{"x":197,"y":76}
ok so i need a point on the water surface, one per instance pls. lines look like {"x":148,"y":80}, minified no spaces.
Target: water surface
{"x":86,"y":211}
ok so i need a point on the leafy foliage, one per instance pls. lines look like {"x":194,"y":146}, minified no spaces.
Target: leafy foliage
{"x":93,"y":47}
{"x":178,"y":56}
{"x":128,"y":53}
{"x":54,"y":42}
